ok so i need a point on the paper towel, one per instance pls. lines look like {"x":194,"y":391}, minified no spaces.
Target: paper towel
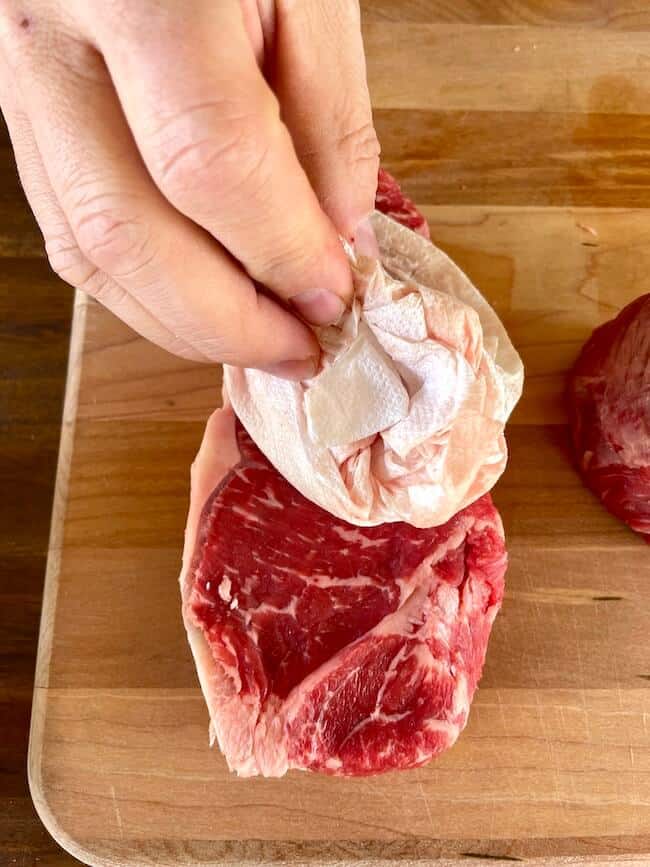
{"x":404,"y":421}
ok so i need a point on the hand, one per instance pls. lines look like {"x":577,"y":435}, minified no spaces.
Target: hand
{"x":179,"y":155}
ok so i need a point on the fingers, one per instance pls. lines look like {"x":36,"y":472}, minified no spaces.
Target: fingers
{"x":148,"y":263}
{"x":62,"y":250}
{"x":320,"y":79}
{"x":209,"y":130}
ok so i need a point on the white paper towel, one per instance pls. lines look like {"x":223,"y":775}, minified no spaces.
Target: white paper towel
{"x":404,"y":421}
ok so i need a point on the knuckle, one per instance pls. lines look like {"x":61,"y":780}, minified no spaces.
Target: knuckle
{"x":106,"y":291}
{"x":359,"y":143}
{"x":82,"y":274}
{"x":288,"y":256}
{"x":188,"y":162}
{"x":67,"y":260}
{"x":116,"y":242}
{"x":208,"y":150}
{"x":70,"y":264}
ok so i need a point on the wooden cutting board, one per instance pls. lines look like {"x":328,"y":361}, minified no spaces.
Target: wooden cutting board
{"x":521,"y":134}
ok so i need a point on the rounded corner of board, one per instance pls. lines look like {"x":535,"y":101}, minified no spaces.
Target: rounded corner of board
{"x":38,"y":789}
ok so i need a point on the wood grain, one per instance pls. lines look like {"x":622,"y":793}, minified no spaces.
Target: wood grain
{"x":455,"y":67}
{"x":608,"y":14}
{"x":523,"y":129}
{"x":524,"y":158}
{"x":34,"y":325}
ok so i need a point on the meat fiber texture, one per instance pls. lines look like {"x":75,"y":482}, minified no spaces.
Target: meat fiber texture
{"x":405,"y":419}
{"x":390,"y":200}
{"x":609,"y":404}
{"x":324,"y":646}
{"x":321,"y":645}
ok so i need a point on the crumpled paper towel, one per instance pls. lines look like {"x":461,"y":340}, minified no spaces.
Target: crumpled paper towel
{"x":405,"y":419}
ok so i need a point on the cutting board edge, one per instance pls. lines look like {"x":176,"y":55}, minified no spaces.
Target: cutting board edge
{"x":37,"y":787}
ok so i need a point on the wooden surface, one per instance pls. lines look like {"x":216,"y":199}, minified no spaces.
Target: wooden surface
{"x":516,"y":125}
{"x":35,"y":312}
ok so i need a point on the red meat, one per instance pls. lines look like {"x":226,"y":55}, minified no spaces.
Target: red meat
{"x":341,"y":649}
{"x":321,"y":645}
{"x":609,"y":405}
{"x":390,"y":200}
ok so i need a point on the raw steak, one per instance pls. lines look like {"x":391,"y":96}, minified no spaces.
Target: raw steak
{"x":609,"y":400}
{"x":322,"y":645}
{"x":325,"y":646}
{"x":390,"y":200}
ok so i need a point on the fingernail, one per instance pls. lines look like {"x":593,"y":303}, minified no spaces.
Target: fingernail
{"x":319,"y":306}
{"x":365,"y":240}
{"x":303,"y":368}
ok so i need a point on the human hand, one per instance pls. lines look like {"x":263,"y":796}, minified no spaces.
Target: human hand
{"x":179,"y":156}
